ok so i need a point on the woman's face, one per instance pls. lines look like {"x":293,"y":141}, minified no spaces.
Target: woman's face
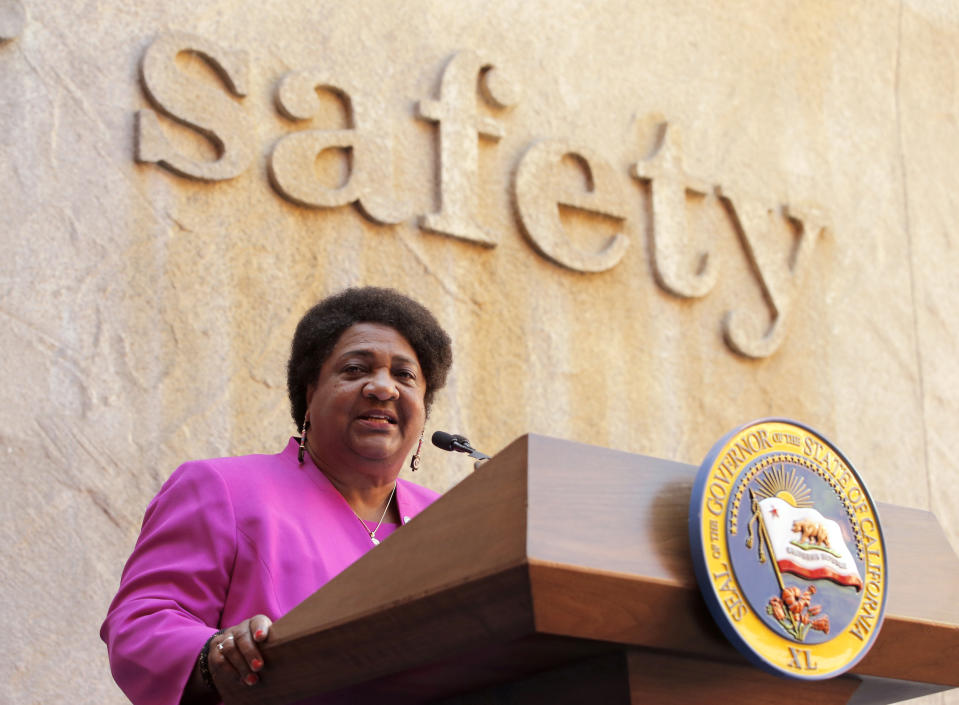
{"x":367,"y":403}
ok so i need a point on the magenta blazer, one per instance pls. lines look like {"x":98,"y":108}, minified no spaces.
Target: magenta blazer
{"x":223,"y":540}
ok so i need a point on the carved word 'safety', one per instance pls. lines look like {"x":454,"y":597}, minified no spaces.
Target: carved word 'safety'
{"x":217,"y":115}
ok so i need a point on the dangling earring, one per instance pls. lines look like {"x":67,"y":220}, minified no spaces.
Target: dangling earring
{"x":415,"y":460}
{"x":306,"y":427}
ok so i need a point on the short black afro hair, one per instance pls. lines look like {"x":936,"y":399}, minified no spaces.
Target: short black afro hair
{"x":320,"y":329}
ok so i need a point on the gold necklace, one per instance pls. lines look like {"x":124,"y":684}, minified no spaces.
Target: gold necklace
{"x":376,"y":541}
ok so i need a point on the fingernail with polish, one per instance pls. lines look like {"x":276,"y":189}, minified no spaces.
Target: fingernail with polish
{"x":256,"y":664}
{"x":250,"y":679}
{"x":258,"y":634}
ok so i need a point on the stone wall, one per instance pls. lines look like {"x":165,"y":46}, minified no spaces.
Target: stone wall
{"x":757,"y":216}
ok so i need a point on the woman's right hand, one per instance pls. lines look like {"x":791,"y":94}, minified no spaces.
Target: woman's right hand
{"x":239,"y":658}
{"x":235,"y":653}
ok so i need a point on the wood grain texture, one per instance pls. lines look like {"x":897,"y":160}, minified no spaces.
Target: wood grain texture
{"x":666,"y":679}
{"x":601,"y":679}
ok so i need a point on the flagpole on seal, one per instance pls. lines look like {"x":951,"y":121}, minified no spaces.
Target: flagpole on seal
{"x":764,"y":539}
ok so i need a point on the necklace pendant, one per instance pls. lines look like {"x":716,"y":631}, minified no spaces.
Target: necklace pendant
{"x":376,"y":541}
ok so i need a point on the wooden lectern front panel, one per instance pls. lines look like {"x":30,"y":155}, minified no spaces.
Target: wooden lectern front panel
{"x":561,"y":573}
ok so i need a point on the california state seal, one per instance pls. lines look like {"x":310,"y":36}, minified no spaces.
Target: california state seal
{"x":788,"y":550}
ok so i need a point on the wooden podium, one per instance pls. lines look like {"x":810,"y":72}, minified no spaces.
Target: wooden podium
{"x":560,"y":573}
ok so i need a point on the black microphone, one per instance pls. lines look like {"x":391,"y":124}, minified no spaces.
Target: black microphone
{"x":461,"y":444}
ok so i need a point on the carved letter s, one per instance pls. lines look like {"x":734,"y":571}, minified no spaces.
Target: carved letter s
{"x":211,"y":113}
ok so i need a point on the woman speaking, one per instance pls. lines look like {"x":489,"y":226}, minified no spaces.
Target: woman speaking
{"x":228,"y":545}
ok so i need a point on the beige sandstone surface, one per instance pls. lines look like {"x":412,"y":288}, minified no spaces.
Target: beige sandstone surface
{"x":772,"y":232}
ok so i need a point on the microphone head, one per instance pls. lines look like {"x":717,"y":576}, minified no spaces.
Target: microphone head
{"x":444,"y":440}
{"x":451,"y":441}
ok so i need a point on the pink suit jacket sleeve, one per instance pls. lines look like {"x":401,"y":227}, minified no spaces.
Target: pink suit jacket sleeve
{"x":224,"y":540}
{"x":171,"y":588}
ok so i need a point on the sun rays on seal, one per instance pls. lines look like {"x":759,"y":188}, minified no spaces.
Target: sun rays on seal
{"x":787,"y":486}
